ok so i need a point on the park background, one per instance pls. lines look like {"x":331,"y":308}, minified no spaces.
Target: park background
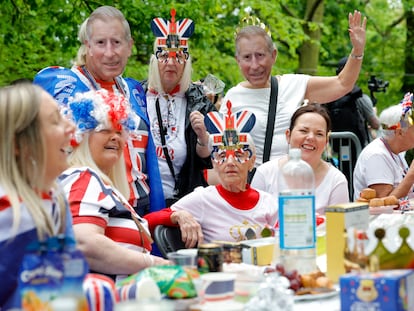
{"x":311,"y":36}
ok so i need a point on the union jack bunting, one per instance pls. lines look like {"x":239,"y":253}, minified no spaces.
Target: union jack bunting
{"x":229,"y":131}
{"x":172,"y":35}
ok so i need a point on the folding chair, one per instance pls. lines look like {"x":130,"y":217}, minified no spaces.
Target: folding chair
{"x":168,"y":239}
{"x":347,"y":147}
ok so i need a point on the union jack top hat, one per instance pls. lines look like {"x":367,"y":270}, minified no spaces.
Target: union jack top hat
{"x":172,"y":36}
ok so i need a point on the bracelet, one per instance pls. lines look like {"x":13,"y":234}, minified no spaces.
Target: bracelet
{"x":148,"y":257}
{"x":359,"y":57}
{"x":200,"y":143}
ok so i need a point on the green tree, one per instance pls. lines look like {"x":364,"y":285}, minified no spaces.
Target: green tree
{"x":311,"y":36}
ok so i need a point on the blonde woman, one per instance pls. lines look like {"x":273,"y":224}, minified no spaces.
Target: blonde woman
{"x":33,"y":147}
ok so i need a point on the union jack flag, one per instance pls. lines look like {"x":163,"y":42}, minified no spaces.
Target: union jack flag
{"x":100,"y":291}
{"x":172,"y":35}
{"x":407,"y":102}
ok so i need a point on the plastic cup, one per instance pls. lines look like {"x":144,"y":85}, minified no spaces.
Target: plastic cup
{"x":183,"y":259}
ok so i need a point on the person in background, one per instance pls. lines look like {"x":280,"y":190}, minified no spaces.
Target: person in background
{"x":114,"y":238}
{"x":381,"y":164}
{"x":34,"y":147}
{"x":232,"y":210}
{"x":353,"y":112}
{"x":256,"y":54}
{"x":106,"y":45}
{"x":309,"y":131}
{"x":176,"y":108}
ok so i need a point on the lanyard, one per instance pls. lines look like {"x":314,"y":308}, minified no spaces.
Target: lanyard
{"x":400,"y":162}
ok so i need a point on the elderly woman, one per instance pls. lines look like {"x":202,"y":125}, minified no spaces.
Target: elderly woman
{"x":387,"y":153}
{"x":231,"y":209}
{"x":309,"y":131}
{"x":34,"y":144}
{"x":114,"y":238}
{"x":176,"y":109}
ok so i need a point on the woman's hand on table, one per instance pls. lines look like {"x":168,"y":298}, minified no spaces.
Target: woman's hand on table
{"x":191,"y":232}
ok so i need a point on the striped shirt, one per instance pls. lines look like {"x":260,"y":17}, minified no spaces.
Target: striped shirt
{"x":93,"y":202}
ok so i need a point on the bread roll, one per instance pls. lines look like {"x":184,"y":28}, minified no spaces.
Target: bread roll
{"x":368,"y":193}
{"x":362,"y":200}
{"x":376,"y":202}
{"x":391,"y":200}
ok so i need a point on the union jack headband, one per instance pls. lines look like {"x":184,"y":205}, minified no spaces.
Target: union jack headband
{"x":172,"y":36}
{"x":229,"y":131}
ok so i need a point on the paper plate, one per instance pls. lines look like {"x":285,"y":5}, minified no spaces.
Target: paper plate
{"x":323,"y":295}
{"x":388,"y":209}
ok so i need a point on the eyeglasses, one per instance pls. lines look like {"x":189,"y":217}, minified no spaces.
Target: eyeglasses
{"x":163,"y":56}
{"x":240,"y":155}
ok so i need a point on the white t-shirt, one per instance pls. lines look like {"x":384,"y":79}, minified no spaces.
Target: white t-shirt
{"x":376,"y":165}
{"x":173,"y":109}
{"x":332,"y":190}
{"x":292,"y":88}
{"x":221,"y":221}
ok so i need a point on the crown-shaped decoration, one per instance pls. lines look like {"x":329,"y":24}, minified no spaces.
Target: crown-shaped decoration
{"x":172,"y":36}
{"x":252,"y":21}
{"x":229,"y":131}
{"x":380,"y":258}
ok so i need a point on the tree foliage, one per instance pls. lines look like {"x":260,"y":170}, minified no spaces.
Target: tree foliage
{"x":311,"y":36}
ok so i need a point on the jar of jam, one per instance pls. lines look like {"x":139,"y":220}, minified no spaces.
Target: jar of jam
{"x":210,"y":258}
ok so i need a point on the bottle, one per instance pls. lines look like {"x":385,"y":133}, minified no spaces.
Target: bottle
{"x":297,"y":219}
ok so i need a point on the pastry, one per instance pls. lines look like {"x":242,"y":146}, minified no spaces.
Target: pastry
{"x":391,"y":200}
{"x":368,"y":193}
{"x":376,"y":202}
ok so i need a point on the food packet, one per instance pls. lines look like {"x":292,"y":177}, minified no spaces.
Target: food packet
{"x":173,"y":281}
{"x":51,"y":276}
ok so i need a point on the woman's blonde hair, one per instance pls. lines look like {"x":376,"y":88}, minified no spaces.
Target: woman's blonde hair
{"x":154,"y":79}
{"x":103,"y":13}
{"x":23,"y":155}
{"x":117,"y":178}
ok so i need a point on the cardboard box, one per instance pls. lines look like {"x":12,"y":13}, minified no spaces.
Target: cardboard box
{"x":339,"y":218}
{"x":386,"y":290}
{"x":259,"y":251}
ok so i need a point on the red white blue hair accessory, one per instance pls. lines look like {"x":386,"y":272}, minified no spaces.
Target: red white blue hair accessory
{"x":98,"y":110}
{"x":172,"y":36}
{"x":407,"y":108}
{"x":406,"y":114}
{"x":229,"y":132}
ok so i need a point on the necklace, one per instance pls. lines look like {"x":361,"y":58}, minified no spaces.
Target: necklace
{"x":96,"y":86}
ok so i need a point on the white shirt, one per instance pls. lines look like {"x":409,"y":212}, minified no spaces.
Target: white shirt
{"x":333,"y":189}
{"x":221,"y":221}
{"x":377,"y":165}
{"x":173,"y":109}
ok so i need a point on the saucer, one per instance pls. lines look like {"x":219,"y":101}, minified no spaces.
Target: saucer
{"x":228,"y":305}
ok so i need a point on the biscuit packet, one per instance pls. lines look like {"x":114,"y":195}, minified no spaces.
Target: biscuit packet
{"x":51,"y":276}
{"x":173,"y":281}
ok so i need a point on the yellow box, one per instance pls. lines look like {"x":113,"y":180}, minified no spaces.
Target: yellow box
{"x":258,"y":251}
{"x":338,"y":219}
